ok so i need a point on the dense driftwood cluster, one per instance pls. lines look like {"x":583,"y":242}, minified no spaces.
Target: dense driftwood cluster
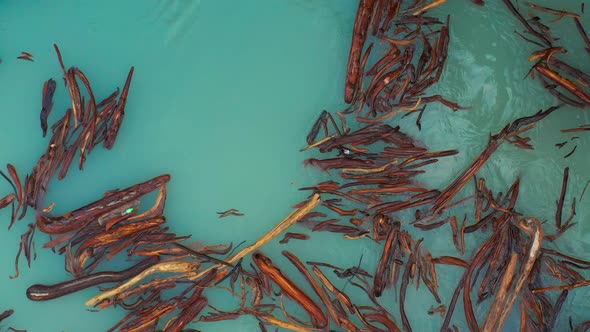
{"x":376,"y":197}
{"x":568,"y":83}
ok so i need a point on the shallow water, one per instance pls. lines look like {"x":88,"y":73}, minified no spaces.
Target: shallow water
{"x":222,"y":98}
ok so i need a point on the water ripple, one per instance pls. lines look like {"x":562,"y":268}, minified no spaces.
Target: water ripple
{"x":178,"y":17}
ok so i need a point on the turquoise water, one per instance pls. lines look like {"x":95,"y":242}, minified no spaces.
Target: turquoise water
{"x":222,"y":98}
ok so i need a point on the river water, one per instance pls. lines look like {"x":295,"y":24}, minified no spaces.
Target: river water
{"x":223,"y":95}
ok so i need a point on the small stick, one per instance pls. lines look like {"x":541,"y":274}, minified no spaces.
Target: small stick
{"x":230,"y":212}
{"x":172,"y":266}
{"x":571,"y":152}
{"x":553,"y":11}
{"x":561,"y":287}
{"x":297,"y":236}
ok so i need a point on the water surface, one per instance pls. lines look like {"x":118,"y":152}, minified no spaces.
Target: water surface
{"x":222,"y":98}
